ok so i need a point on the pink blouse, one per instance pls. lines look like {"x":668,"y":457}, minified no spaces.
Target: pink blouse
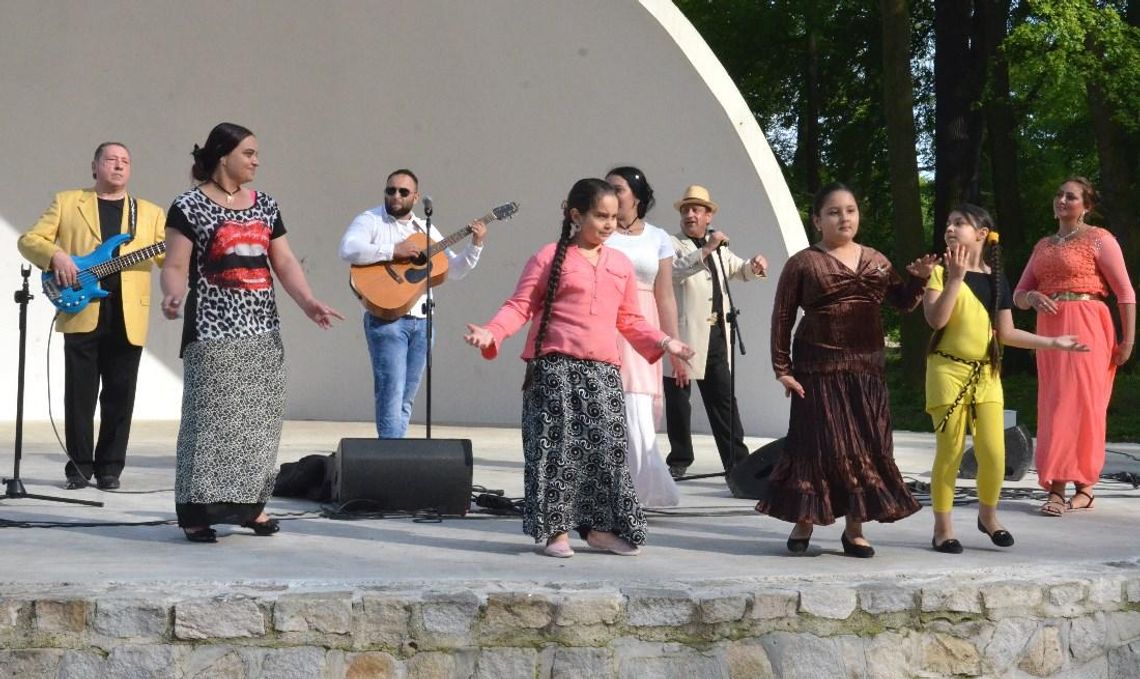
{"x":1089,"y":263}
{"x":592,"y":305}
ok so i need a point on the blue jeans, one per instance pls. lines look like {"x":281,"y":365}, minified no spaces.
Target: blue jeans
{"x":399,"y":352}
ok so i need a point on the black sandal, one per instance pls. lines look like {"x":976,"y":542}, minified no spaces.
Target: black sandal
{"x":267,"y":527}
{"x":201,"y":535}
{"x":947,"y":546}
{"x":1000,"y":537}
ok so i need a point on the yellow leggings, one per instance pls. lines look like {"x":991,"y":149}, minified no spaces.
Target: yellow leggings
{"x":989,"y":450}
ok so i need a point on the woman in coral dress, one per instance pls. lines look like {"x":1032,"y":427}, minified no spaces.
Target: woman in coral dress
{"x":1068,"y":280}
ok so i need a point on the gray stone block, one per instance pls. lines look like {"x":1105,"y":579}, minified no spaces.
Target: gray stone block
{"x":1123,"y":627}
{"x":659,"y":608}
{"x":1088,"y":637}
{"x":142,"y":662}
{"x":221,"y":617}
{"x":506,"y":663}
{"x":803,"y":656}
{"x":1064,"y":599}
{"x":1124,"y":662}
{"x":724,"y":607}
{"x":447,"y":618}
{"x":774,"y":604}
{"x":383,"y":619}
{"x":132,"y":619}
{"x":879,"y":599}
{"x":1006,"y":599}
{"x":513,"y":610}
{"x":956,"y":598}
{"x":892,"y":655}
{"x":747,"y":659}
{"x":1106,"y":592}
{"x":78,"y":665}
{"x":31,"y":663}
{"x":1007,"y":643}
{"x":323,"y":612}
{"x":293,"y":663}
{"x":833,"y":603}
{"x":588,"y":608}
{"x":215,"y":662}
{"x":579,"y":663}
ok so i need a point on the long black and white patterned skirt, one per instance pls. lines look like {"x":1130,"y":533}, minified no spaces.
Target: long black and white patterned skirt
{"x":574,"y":441}
{"x":233,"y":404}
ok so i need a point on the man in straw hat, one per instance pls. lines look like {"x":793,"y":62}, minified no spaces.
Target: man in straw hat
{"x":700,"y":271}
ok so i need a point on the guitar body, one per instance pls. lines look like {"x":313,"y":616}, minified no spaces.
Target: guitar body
{"x":390,"y":289}
{"x":74,"y":299}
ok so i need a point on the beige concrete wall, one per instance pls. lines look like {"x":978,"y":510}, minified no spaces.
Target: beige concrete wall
{"x":488,"y":101}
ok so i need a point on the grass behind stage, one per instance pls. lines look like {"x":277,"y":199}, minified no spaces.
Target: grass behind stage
{"x":907,"y":402}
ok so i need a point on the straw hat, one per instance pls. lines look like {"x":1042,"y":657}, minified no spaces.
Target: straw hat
{"x":696,"y":195}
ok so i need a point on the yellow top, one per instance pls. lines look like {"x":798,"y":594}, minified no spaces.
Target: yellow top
{"x":967,"y":336}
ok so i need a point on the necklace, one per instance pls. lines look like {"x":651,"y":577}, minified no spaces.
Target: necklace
{"x":229,"y":194}
{"x":1058,"y":238}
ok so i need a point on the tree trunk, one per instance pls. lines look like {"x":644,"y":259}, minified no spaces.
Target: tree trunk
{"x":1117,"y":158}
{"x":906,"y":219}
{"x":808,"y":130}
{"x":959,"y":78}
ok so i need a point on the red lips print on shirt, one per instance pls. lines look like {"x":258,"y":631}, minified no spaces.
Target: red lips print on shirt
{"x":239,"y":256}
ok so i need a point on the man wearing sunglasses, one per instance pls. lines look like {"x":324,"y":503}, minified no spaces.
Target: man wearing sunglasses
{"x":398,"y":348}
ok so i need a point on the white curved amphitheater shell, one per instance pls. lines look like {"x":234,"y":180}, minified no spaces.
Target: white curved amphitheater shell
{"x":487,"y":100}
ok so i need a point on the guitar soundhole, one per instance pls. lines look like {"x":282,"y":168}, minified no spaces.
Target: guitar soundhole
{"x":415,"y":275}
{"x":420,"y":259}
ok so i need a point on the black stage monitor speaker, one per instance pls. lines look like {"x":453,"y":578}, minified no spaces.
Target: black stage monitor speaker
{"x":404,"y":474}
{"x":1018,"y":455}
{"x":749,"y":477}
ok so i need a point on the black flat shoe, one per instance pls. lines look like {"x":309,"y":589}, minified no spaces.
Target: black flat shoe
{"x":798,"y":545}
{"x":950,"y":546}
{"x":267,"y":527}
{"x":852,"y":549}
{"x":75,"y":483}
{"x":1001,"y":538}
{"x":201,"y":535}
{"x":106,"y":482}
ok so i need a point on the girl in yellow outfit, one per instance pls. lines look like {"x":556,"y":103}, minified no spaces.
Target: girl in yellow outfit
{"x":967,"y":302}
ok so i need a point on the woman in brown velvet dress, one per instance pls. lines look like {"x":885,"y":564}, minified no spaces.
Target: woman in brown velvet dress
{"x":838,"y":456}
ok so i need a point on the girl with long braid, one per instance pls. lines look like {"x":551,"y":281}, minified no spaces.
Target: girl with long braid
{"x":573,"y":421}
{"x":967,"y":302}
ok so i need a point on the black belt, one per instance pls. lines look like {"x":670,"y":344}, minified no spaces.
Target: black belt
{"x":968,"y":388}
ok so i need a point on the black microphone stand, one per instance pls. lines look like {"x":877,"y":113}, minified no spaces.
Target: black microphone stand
{"x":429,"y":312}
{"x":14,"y":487}
{"x":734,"y":339}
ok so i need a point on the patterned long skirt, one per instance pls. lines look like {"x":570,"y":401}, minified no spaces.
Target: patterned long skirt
{"x":574,"y":442}
{"x":233,"y":405}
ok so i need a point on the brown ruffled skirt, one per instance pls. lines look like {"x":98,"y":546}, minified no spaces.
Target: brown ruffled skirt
{"x":838,"y":457}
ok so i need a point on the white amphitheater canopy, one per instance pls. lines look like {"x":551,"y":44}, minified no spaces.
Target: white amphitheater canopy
{"x":488,"y":101}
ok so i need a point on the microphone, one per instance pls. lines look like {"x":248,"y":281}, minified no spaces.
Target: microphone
{"x":427,"y":205}
{"x":722,"y":243}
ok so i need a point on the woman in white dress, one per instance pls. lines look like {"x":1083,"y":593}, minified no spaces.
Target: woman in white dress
{"x":651,"y":251}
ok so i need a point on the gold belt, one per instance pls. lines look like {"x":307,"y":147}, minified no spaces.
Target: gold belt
{"x":1075,"y":297}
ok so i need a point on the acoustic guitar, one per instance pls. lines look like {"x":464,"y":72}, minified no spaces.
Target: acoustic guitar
{"x":389,"y":289}
{"x":92,"y":268}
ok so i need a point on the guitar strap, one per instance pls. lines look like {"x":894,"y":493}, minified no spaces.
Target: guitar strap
{"x":132,"y":215}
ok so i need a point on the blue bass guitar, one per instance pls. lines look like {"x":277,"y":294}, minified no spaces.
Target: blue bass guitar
{"x":92,"y":268}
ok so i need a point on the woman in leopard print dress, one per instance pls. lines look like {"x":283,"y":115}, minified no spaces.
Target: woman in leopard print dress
{"x":228,"y":241}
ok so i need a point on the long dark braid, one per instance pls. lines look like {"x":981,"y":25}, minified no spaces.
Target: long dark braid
{"x":582,"y":197}
{"x":993,"y":258}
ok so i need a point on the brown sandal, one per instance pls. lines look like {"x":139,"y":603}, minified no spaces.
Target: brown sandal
{"x":1069,"y":505}
{"x":1053,"y":507}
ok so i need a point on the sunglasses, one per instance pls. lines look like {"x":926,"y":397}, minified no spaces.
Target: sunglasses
{"x":392,"y":190}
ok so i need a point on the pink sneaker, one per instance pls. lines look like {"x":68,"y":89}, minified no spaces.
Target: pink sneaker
{"x":559,"y":550}
{"x":609,"y":542}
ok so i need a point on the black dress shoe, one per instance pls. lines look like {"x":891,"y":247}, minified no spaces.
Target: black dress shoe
{"x":852,"y":549}
{"x":677,"y":471}
{"x":267,"y":527}
{"x":201,"y":535}
{"x":1001,"y":538}
{"x":950,"y":546}
{"x":106,"y":482}
{"x":798,"y":545}
{"x":76,"y":482}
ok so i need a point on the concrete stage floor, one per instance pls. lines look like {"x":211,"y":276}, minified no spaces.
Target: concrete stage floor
{"x":710,"y":537}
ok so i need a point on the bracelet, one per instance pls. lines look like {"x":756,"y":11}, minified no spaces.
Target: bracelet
{"x":664,"y":343}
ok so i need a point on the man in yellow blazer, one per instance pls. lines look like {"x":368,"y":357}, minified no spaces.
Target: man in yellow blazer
{"x":102,"y":343}
{"x":701,"y":269}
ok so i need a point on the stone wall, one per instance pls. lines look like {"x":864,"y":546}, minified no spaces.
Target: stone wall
{"x":1086,"y":625}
